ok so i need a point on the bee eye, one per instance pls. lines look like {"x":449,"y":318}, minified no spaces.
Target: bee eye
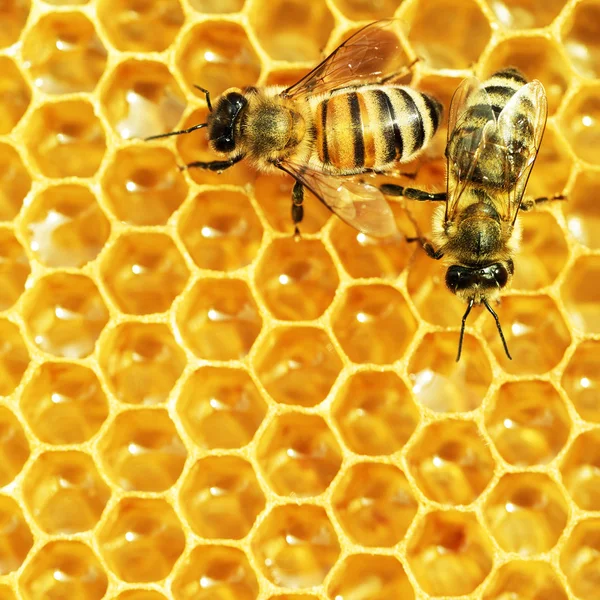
{"x":500,"y":274}
{"x":458,"y":277}
{"x":224,"y":144}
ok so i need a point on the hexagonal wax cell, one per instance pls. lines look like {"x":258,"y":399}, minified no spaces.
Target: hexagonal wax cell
{"x":581,"y":380}
{"x":14,"y":447}
{"x":526,"y":14}
{"x":582,"y":212}
{"x":14,"y":268}
{"x":580,"y":471}
{"x":580,"y":37}
{"x":14,"y":357}
{"x":17,"y":539}
{"x":13,"y":16}
{"x":582,"y":299}
{"x":15,"y":95}
{"x":15,"y":182}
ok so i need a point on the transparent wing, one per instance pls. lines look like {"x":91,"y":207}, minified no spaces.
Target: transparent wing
{"x":371,"y":53}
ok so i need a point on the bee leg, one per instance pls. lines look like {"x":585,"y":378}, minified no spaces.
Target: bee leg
{"x":213,"y":165}
{"x":427,"y":246}
{"x":531,"y":203}
{"x":297,"y":208}
{"x":390,"y":189}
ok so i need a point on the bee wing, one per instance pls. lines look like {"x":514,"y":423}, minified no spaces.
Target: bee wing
{"x":359,"y":204}
{"x":371,"y":53}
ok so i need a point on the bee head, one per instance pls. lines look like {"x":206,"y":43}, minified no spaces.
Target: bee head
{"x":223,"y":121}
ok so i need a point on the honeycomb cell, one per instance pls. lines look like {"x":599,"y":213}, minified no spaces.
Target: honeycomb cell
{"x":141,"y":25}
{"x":526,"y":513}
{"x":581,"y":470}
{"x":65,"y":314}
{"x":528,"y":422}
{"x":144,"y":272}
{"x":14,"y":269}
{"x":14,"y":448}
{"x":581,"y":296}
{"x":215,"y":573}
{"x":374,"y":504}
{"x":449,"y":553}
{"x":64,"y":492}
{"x":65,"y":227}
{"x":221,"y":497}
{"x":294,"y":597}
{"x":581,"y":123}
{"x":297,"y":365}
{"x":143,"y":185}
{"x":221,"y":230}
{"x":442,"y":384}
{"x":140,"y":595}
{"x":282,"y":27}
{"x":375,"y":413}
{"x":444,"y":37}
{"x":218,"y":55}
{"x":14,"y":357}
{"x":222,"y":7}
{"x":299,"y":455}
{"x":296,"y":546}
{"x":63,"y":53}
{"x":451,"y":462}
{"x":363,"y":10}
{"x":219,"y":319}
{"x":221,"y":407}
{"x":64,"y":569}
{"x":15,"y":182}
{"x":535,"y":332}
{"x":581,"y":38}
{"x":66,"y":139}
{"x":15,"y":95}
{"x":13,"y":16}
{"x":581,"y":380}
{"x":526,"y":14}
{"x":534,"y":580}
{"x":6,"y":593}
{"x":64,"y":403}
{"x":142,"y":451}
{"x":369,"y":577}
{"x":582,"y":212}
{"x":142,"y":362}
{"x":373,"y":324}
{"x":579,"y":559}
{"x":16,"y":536}
{"x":142,"y":98}
{"x":141,"y":539}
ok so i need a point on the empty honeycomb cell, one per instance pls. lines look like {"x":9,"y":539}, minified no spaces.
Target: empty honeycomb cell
{"x":142,"y":362}
{"x":141,"y":539}
{"x":373,"y":324}
{"x":221,"y":497}
{"x":370,"y":577}
{"x":449,"y":553}
{"x":64,"y":403}
{"x":64,"y":569}
{"x":582,"y":212}
{"x":451,"y":463}
{"x":223,"y":7}
{"x":141,"y":25}
{"x":64,"y":492}
{"x":64,"y":314}
{"x":581,"y":380}
{"x":579,"y":559}
{"x":63,"y":53}
{"x":65,"y":226}
{"x":219,"y":319}
{"x":16,"y":539}
{"x":15,"y":95}
{"x":534,"y":580}
{"x":295,"y":545}
{"x":581,"y":37}
{"x":142,"y":595}
{"x":535,"y":332}
{"x":581,"y":296}
{"x":142,"y":98}
{"x":220,"y":407}
{"x":14,"y":269}
{"x":297,"y":365}
{"x":15,"y":182}
{"x":581,"y":470}
{"x":218,"y":55}
{"x":443,"y":384}
{"x":526,"y":513}
{"x":143,"y":186}
{"x":581,"y":123}
{"x":282,"y":26}
{"x":144,"y":272}
{"x":374,"y":504}
{"x":13,"y":16}
{"x":221,"y":230}
{"x":526,"y":14}
{"x":297,"y":279}
{"x":215,"y":573}
{"x":298,"y":455}
{"x":14,"y":448}
{"x":362,"y":10}
{"x":14,"y":357}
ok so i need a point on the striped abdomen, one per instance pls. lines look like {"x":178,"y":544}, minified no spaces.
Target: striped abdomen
{"x":373,"y":127}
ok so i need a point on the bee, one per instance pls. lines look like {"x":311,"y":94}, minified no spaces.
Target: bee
{"x":495,"y":130}
{"x":342,"y":120}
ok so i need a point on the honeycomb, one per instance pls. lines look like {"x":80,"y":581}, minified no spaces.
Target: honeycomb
{"x":196,"y":406}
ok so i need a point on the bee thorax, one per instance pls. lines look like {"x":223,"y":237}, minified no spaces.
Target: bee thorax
{"x":478,"y":231}
{"x":274,"y":129}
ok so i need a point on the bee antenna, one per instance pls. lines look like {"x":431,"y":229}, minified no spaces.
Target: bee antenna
{"x":462,"y":328}
{"x":485,"y":302}
{"x":181,"y":132}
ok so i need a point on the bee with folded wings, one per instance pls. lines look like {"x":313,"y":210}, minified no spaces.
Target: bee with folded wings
{"x":344,"y":119}
{"x":495,"y":130}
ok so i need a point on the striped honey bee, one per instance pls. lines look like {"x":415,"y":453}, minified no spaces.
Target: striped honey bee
{"x":342,"y":120}
{"x":495,"y":130}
